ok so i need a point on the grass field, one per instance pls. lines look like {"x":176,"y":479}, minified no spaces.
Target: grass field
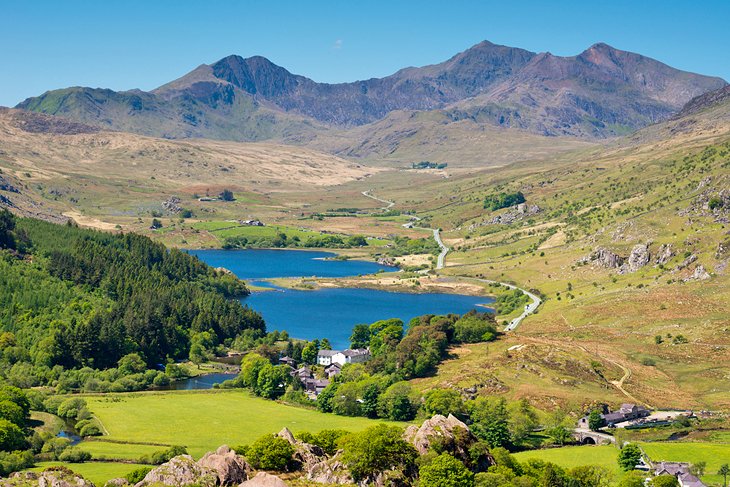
{"x":97,"y":472}
{"x":203,"y":421}
{"x":575,"y":456}
{"x":714,"y":454}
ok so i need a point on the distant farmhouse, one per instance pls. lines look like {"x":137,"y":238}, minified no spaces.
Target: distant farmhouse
{"x":627,"y":412}
{"x":342,"y":357}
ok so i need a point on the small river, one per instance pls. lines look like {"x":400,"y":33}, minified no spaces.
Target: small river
{"x":327,"y":313}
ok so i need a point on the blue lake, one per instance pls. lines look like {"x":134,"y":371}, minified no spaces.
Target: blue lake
{"x":327,"y":313}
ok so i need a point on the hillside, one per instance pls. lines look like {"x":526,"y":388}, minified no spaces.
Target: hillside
{"x":629,"y":247}
{"x":52,"y":166}
{"x":599,"y":93}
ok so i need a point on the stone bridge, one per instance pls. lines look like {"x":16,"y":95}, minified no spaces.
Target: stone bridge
{"x":588,"y":437}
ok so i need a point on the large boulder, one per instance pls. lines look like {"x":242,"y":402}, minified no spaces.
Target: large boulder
{"x":442,"y":429}
{"x":230,"y":468}
{"x":263,"y":479}
{"x":181,"y":471}
{"x":604,"y":258}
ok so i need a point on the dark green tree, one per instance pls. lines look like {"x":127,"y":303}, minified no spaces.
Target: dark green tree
{"x":629,"y":457}
{"x":375,"y":450}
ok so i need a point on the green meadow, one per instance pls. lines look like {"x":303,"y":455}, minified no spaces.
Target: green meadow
{"x":199,"y":420}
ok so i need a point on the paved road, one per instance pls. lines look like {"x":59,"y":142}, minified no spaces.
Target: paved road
{"x":389,"y":204}
{"x":529,"y":308}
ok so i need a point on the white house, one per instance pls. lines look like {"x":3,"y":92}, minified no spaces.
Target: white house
{"x":342,"y":357}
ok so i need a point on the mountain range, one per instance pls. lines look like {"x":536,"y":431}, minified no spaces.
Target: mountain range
{"x":601,"y":92}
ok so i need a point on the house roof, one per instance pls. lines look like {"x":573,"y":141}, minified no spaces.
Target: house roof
{"x":356,"y":352}
{"x":613,"y":417}
{"x":327,"y":353}
{"x":689,"y":480}
{"x":671,"y":468}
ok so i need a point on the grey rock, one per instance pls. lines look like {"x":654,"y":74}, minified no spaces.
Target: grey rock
{"x":118,"y":482}
{"x":230,"y":468}
{"x":263,"y":479}
{"x":181,"y":471}
{"x":686,"y":262}
{"x":330,"y":471}
{"x":699,"y":274}
{"x":639,"y":257}
{"x":664,"y":254}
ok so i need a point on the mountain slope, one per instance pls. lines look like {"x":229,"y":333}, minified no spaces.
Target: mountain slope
{"x":600,"y":92}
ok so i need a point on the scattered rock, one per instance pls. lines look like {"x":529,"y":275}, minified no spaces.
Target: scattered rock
{"x":514,"y":214}
{"x":6,"y":186}
{"x":263,"y":479}
{"x":686,"y":262}
{"x":172,"y":204}
{"x":51,"y":477}
{"x":230,"y":468}
{"x":699,"y":274}
{"x":330,"y":471}
{"x":664,"y":254}
{"x":119,"y":482}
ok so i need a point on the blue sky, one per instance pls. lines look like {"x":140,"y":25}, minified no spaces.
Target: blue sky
{"x":142,"y":44}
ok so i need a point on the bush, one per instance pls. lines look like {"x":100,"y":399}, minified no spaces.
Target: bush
{"x":74,"y":455}
{"x":445,"y":471}
{"x":270,"y":452}
{"x":327,"y":440}
{"x":444,"y":402}
{"x":162,"y":456}
{"x":377,"y":449}
{"x":70,"y":408}
{"x":137,"y":475}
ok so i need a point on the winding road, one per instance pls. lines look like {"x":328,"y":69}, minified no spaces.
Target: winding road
{"x":530,"y":308}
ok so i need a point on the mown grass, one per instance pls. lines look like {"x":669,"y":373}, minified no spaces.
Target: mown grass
{"x":575,"y":456}
{"x":97,"y":472}
{"x":714,"y":454}
{"x":204,"y":420}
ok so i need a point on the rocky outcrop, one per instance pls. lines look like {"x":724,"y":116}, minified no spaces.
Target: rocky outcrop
{"x":604,"y":258}
{"x":387,"y":261}
{"x":638,"y":258}
{"x":51,"y":477}
{"x":699,"y":274}
{"x":119,"y":482}
{"x":686,"y":262}
{"x":305,"y":455}
{"x":450,"y":434}
{"x":172,"y":204}
{"x":330,"y":471}
{"x":181,"y":471}
{"x":230,"y":468}
{"x":664,"y":254}
{"x":263,"y":479}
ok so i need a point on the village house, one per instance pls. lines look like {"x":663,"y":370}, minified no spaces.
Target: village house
{"x":332,"y":370}
{"x":681,"y":471}
{"x":627,"y":412}
{"x":342,"y":357}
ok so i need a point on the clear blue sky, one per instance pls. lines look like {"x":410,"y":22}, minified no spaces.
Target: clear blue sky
{"x":142,"y":44}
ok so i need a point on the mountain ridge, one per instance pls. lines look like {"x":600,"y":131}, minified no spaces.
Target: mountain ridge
{"x":598,"y":93}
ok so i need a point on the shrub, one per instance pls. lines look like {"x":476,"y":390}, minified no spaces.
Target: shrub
{"x":375,"y":450}
{"x":11,"y":436}
{"x":137,"y":475}
{"x":270,"y":452}
{"x":74,"y":455}
{"x":445,"y":471}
